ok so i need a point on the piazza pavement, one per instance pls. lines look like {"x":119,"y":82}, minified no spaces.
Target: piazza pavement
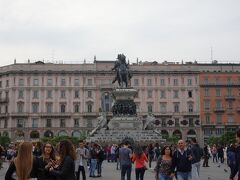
{"x":109,"y":172}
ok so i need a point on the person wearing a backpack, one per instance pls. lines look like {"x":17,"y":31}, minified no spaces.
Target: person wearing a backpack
{"x":197,"y":153}
{"x":231,"y":158}
{"x":236,"y":169}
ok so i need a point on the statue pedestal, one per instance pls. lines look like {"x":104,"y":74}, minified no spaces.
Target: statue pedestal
{"x":126,"y":123}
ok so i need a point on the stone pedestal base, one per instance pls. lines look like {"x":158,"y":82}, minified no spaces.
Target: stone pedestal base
{"x":126,"y":123}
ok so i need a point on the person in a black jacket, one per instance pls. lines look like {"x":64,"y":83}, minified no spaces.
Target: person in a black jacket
{"x":181,"y":161}
{"x":237,"y":165}
{"x":197,"y":154}
{"x":45,"y":161}
{"x":66,"y":168}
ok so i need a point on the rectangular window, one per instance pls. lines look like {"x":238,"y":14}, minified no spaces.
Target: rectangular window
{"x":76,"y":94}
{"x":206,"y":81}
{"x":189,"y":82}
{"x":162,"y":94}
{"x":63,"y":82}
{"x":76,"y":82}
{"x":62,"y":108}
{"x":20,"y":94}
{"x":76,"y":108}
{"x":49,"y":82}
{"x":206,"y":105}
{"x":229,"y":92}
{"x":62,"y":123}
{"x":35,"y":107}
{"x":207,"y":119}
{"x":89,"y":94}
{"x":219,"y":119}
{"x":136,"y":82}
{"x":89,"y":82}
{"x":49,"y":94}
{"x":5,"y":123}
{"x":230,"y":119}
{"x":190,"y":107}
{"x":230,"y":105}
{"x":149,"y":95}
{"x":150,"y":109}
{"x":176,"y":107}
{"x":175,"y":82}
{"x":49,"y":123}
{"x":7,"y":83}
{"x":229,"y":80}
{"x":163,"y":107}
{"x":219,"y":131}
{"x":49,"y":107}
{"x":206,"y":92}
{"x":76,"y":122}
{"x":21,"y":82}
{"x":162,"y":82}
{"x":34,"y":123}
{"x":218,"y":92}
{"x":35,"y":94}
{"x":164,"y":124}
{"x":218,"y":104}
{"x":63,"y":95}
{"x":149,"y":82}
{"x":190,"y":94}
{"x":175,"y":94}
{"x":35,"y":82}
{"x":177,"y":122}
{"x":191,"y":122}
{"x":20,"y":123}
{"x":89,"y":108}
{"x":20,"y":107}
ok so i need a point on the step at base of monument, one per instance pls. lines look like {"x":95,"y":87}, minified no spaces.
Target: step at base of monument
{"x":118,"y":135}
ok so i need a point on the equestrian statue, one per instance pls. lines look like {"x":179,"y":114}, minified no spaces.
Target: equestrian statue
{"x":121,"y":68}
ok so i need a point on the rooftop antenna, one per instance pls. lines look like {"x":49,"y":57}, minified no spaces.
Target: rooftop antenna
{"x":211,"y":53}
{"x":15,"y":61}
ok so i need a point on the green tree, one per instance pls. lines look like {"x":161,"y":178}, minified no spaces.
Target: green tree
{"x":4,"y":140}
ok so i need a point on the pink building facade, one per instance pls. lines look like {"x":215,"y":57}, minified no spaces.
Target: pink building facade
{"x":38,"y":99}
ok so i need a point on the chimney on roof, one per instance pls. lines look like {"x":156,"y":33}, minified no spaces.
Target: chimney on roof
{"x":95,"y":58}
{"x":15,"y":61}
{"x":137,"y":60}
{"x":84,"y":61}
{"x":28,"y":61}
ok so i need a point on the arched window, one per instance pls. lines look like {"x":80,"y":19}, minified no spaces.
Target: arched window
{"x":89,"y":108}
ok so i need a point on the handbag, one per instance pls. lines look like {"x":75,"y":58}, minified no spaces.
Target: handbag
{"x":145,"y":166}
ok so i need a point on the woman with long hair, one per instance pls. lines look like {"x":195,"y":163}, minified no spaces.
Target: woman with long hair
{"x":22,"y":164}
{"x":163,"y":167}
{"x":66,"y":168}
{"x":139,"y":158}
{"x":45,"y":161}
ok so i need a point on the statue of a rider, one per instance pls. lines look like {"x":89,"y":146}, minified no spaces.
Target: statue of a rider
{"x":122,"y":71}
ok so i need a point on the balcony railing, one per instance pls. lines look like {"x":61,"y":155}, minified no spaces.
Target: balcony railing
{"x":219,"y":109}
{"x":230,"y":97}
{"x":219,"y":84}
{"x":4,"y":100}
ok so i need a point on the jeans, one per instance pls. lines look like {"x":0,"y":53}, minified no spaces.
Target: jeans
{"x":99,"y":168}
{"x":139,"y":173}
{"x":93,"y":164}
{"x":183,"y":175}
{"x":81,"y":169}
{"x":118,"y":163}
{"x":126,"y":169}
{"x":196,"y":171}
{"x":215,"y":157}
{"x":164,"y":177}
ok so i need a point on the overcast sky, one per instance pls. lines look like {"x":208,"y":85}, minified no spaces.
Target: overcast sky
{"x":152,"y":30}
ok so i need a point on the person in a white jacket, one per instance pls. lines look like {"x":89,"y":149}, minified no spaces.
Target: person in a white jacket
{"x":81,"y":161}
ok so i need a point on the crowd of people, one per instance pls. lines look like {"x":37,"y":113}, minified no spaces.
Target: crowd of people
{"x":66,"y":161}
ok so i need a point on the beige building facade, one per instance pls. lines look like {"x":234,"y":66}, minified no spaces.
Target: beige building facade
{"x":44,"y":99}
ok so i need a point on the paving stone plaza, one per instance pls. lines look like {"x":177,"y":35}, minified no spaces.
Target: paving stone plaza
{"x":110,"y":173}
